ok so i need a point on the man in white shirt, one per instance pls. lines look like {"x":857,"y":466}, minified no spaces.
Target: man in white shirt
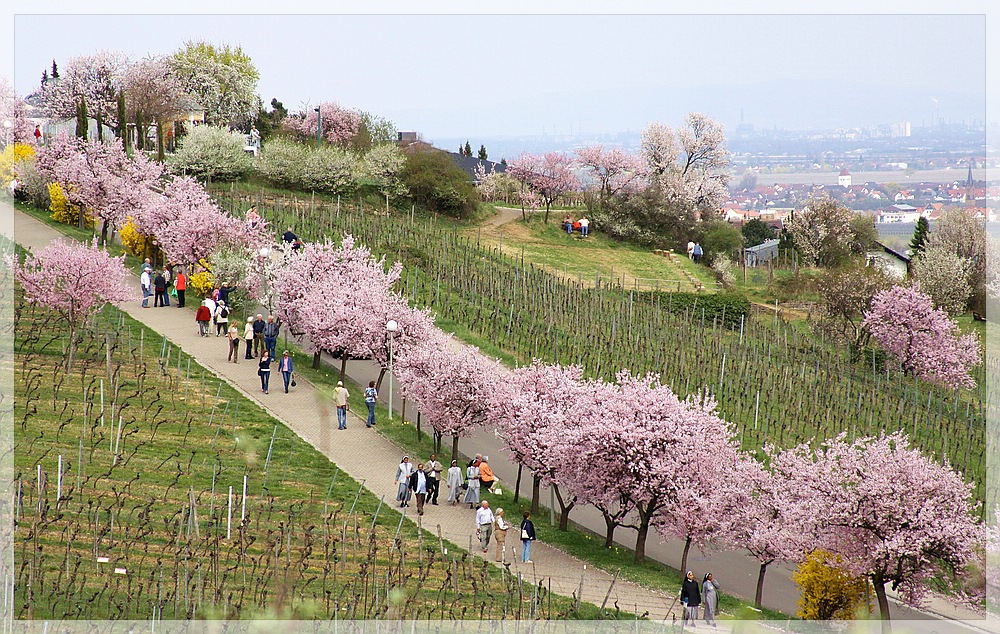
{"x":147,"y":287}
{"x":418,"y":484}
{"x":340,"y":395}
{"x":434,"y":469}
{"x":484,"y":524}
{"x":690,"y":249}
{"x":584,"y":226}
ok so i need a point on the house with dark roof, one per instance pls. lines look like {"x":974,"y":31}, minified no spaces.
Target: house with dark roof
{"x":469,"y":165}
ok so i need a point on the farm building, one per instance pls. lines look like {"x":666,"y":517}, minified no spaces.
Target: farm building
{"x":762,"y":253}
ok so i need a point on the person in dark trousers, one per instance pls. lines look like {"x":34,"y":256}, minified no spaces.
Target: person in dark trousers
{"x":418,"y":484}
{"x":168,"y":279}
{"x":271,"y":330}
{"x":690,"y":598}
{"x":258,"y":335}
{"x":697,"y":254}
{"x":224,"y":292}
{"x":181,"y":285}
{"x":264,"y":371}
{"x":160,"y":286}
{"x":434,"y":469}
{"x":286,"y":367}
{"x":371,"y":395}
{"x":527,"y":536}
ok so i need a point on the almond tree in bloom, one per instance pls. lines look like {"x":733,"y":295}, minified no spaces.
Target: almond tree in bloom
{"x":614,"y":169}
{"x":925,"y":341}
{"x":451,"y":387}
{"x":75,"y":280}
{"x":674,"y":458}
{"x":97,"y":78}
{"x":540,"y":411}
{"x":548,"y":175}
{"x":99,"y":177}
{"x":340,"y":125}
{"x":15,"y":110}
{"x":763,"y":518}
{"x":890,"y":512}
{"x":690,"y":167}
{"x":153,"y":93}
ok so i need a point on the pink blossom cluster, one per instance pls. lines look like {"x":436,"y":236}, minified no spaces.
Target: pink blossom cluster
{"x":924,"y":340}
{"x":340,"y":125}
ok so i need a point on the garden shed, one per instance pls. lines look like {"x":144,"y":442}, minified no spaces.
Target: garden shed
{"x":762,"y":253}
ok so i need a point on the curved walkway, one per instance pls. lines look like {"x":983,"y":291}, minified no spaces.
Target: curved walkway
{"x":368,"y":456}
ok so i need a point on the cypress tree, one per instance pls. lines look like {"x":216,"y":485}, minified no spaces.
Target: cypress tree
{"x":82,"y":119}
{"x":45,"y":77}
{"x":123,"y":123}
{"x":482,"y":153}
{"x":468,"y":149}
{"x":55,"y":70}
{"x":919,"y":237}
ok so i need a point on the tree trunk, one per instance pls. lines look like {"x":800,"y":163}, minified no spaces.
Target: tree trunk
{"x":517,"y":484}
{"x":684,"y":557}
{"x":611,"y":524}
{"x":343,"y":366}
{"x":454,"y":447}
{"x":536,"y":485}
{"x":72,"y":349}
{"x":883,"y":604}
{"x":760,"y":586}
{"x":546,"y":213}
{"x":564,"y":509}
{"x":418,"y":426}
{"x":381,"y":375}
{"x":100,"y":126}
{"x":640,"y":539}
{"x":160,"y":155}
{"x":104,"y":231}
{"x":437,"y":442}
{"x":317,"y":359}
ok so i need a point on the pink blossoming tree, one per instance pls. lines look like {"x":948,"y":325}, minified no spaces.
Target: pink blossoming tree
{"x":893,"y":514}
{"x":614,"y":169}
{"x":548,"y":175}
{"x":75,"y":280}
{"x":926,"y":342}
{"x":340,"y":125}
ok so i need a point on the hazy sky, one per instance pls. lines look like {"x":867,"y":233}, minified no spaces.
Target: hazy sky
{"x":452,"y":75}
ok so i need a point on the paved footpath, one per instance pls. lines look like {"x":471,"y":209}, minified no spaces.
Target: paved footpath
{"x":369,"y":457}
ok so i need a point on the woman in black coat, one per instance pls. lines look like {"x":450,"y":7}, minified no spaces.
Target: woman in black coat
{"x":690,"y":598}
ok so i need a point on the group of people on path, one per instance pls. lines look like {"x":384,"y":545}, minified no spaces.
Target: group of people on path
{"x":692,"y":597}
{"x":423,"y":482}
{"x":582,"y":225}
{"x":157,"y":284}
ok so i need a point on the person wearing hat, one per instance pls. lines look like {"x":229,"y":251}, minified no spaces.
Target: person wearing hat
{"x":340,"y":394}
{"x":690,"y":598}
{"x":221,"y":318}
{"x":454,"y":482}
{"x":248,"y":338}
{"x":710,"y":592}
{"x":500,"y":527}
{"x":403,"y":473}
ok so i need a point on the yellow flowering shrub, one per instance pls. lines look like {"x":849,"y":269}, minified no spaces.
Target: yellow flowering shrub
{"x":134,"y":242}
{"x":828,"y":591}
{"x":203,"y":282}
{"x":10,"y":157}
{"x":62,"y":210}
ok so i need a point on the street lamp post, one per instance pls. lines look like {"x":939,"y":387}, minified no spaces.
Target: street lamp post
{"x":319,"y":126}
{"x":7,"y":125}
{"x":391,"y":327}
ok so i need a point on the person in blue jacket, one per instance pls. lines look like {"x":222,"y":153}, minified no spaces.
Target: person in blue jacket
{"x":286,"y":367}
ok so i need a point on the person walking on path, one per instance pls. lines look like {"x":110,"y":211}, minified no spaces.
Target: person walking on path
{"x":484,"y":524}
{"x":271,"y":330}
{"x":213,"y":308}
{"x":181,"y":285}
{"x":418,"y":484}
{"x":222,"y":319}
{"x":486,"y":477}
{"x":234,"y":343}
{"x":168,"y":278}
{"x":203,"y":316}
{"x":690,"y":598}
{"x":472,"y":480}
{"x":584,"y":227}
{"x":340,"y":394}
{"x":500,"y":535}
{"x":146,"y":282}
{"x":454,"y":482}
{"x":371,"y":395}
{"x":434,"y":469}
{"x":710,"y":592}
{"x":264,"y":370}
{"x":403,"y":473}
{"x":248,"y":338}
{"x":697,"y":253}
{"x":258,"y":335}
{"x":527,"y":536}
{"x":690,"y":249}
{"x":286,"y":367}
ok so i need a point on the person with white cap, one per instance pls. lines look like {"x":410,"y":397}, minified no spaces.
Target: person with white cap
{"x":403,"y":473}
{"x":690,"y":598}
{"x":222,"y":319}
{"x":340,"y":394}
{"x":248,"y":338}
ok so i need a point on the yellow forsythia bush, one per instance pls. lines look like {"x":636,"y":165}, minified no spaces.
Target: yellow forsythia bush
{"x":828,"y":591}
{"x":62,"y":210}
{"x":134,"y":242}
{"x":10,"y":157}
{"x":203,"y":282}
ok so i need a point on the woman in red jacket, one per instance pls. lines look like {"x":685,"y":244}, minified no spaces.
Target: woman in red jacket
{"x":180,"y":285}
{"x":203,"y":317}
